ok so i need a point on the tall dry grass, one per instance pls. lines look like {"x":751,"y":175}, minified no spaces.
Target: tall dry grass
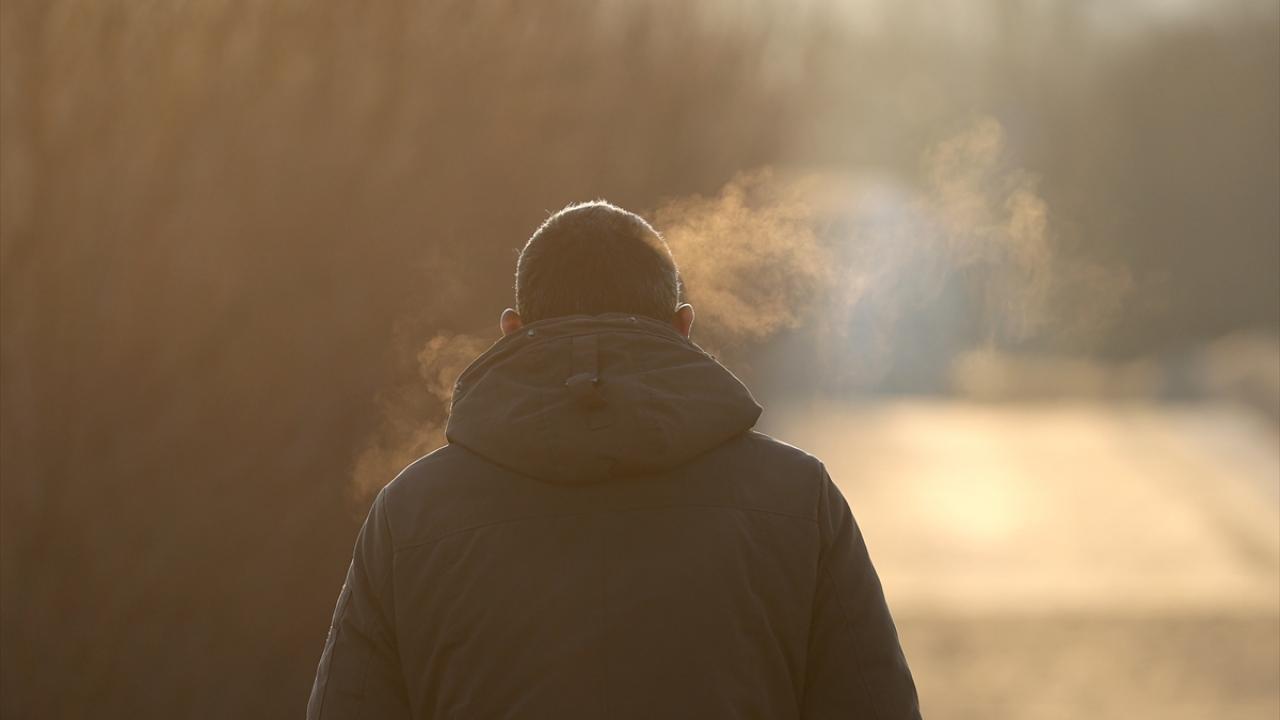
{"x":228,"y":227}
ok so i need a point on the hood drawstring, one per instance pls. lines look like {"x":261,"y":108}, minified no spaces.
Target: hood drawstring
{"x":586,"y":398}
{"x":584,"y":379}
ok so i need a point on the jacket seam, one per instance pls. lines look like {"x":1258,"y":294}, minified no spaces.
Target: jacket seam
{"x":509,"y":521}
{"x":820,"y":505}
{"x":344,"y":598}
{"x":848,"y":624}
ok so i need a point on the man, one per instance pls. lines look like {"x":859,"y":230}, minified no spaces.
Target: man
{"x":605,"y":536}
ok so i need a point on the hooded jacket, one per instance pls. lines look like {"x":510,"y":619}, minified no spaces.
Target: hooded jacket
{"x":605,"y":536}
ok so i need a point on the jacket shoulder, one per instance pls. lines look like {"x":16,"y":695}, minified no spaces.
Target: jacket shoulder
{"x":419,"y":475}
{"x":780,"y":452}
{"x":763,"y":471}
{"x":433,"y":492}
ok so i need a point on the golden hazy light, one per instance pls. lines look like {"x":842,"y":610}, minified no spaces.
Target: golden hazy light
{"x":1009,"y":267}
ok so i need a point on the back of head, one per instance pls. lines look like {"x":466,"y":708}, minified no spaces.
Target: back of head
{"x":594,"y":258}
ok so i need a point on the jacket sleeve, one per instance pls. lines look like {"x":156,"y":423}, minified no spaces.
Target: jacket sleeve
{"x":359,"y":674}
{"x":855,"y":666}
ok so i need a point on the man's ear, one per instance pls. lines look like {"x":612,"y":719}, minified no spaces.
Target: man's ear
{"x":510,"y":322}
{"x":682,"y":321}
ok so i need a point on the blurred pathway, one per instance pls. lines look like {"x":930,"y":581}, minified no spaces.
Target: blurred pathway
{"x":1069,"y":560}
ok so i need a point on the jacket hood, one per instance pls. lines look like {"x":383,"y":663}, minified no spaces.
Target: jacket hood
{"x":583,"y":398}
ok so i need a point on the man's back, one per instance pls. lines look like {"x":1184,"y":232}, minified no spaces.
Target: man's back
{"x":605,"y":536}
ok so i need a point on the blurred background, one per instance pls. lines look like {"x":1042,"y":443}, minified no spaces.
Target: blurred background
{"x":1010,"y":267}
